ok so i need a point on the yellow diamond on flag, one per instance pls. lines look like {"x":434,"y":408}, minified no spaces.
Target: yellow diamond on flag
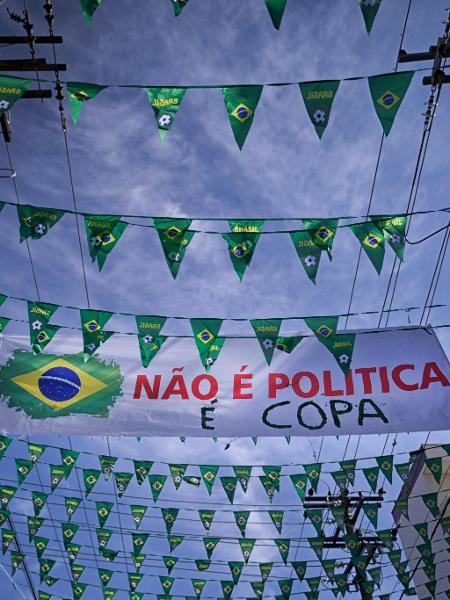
{"x":91,"y":326}
{"x":324,"y":331}
{"x":372,"y":240}
{"x":388,"y":100}
{"x":172,"y":232}
{"x":205,"y":336}
{"x":59,"y":379}
{"x":107,"y":238}
{"x":242,"y":112}
{"x":323,"y":234}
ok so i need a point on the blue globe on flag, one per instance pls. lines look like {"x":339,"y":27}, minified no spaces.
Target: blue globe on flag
{"x":59,"y":384}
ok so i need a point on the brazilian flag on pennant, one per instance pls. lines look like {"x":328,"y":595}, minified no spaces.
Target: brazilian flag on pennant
{"x":150,"y":341}
{"x":36,"y":221}
{"x":299,"y":568}
{"x":103,"y":233}
{"x":387,"y":93}
{"x":369,"y":9}
{"x":4,"y":444}
{"x":236,"y":570}
{"x":89,"y":7}
{"x":318,"y":97}
{"x":308,"y":252}
{"x":242,"y":243}
{"x":386,"y":464}
{"x":103,"y":510}
{"x":287,"y":344}
{"x":90,"y":478}
{"x":48,"y":386}
{"x":227,"y":589}
{"x":68,"y":460}
{"x":210,"y":543}
{"x":241,"y":103}
{"x":276,"y":10}
{"x":283,"y":546}
{"x":167,"y":583}
{"x":11,"y":90}
{"x":23,"y":467}
{"x":205,"y":335}
{"x":394,"y":228}
{"x":267,"y":333}
{"x":241,"y":517}
{"x":142,"y":468}
{"x":299,"y":481}
{"x":39,"y":314}
{"x":178,"y":6}
{"x":169,"y":517}
{"x":38,"y":499}
{"x":209,"y":474}
{"x":322,"y":232}
{"x":169,"y":563}
{"x":156,"y":485}
{"x":165,"y":103}
{"x":372,"y":242}
{"x":229,"y":485}
{"x":175,"y":237}
{"x":79,"y":93}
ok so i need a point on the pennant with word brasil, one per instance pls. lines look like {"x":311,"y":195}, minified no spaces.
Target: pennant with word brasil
{"x":165,"y":103}
{"x":205,"y":335}
{"x":241,"y":103}
{"x":150,"y":341}
{"x":242,"y":243}
{"x":103,"y":233}
{"x":318,"y":97}
{"x":387,"y":93}
{"x":36,"y":221}
{"x":395,"y":230}
{"x":206,"y":517}
{"x":267,"y":333}
{"x":175,"y":237}
{"x":369,"y":9}
{"x":79,"y":93}
{"x":308,"y":252}
{"x":39,"y":314}
{"x":276,"y":10}
{"x":372,"y":242}
{"x":11,"y":90}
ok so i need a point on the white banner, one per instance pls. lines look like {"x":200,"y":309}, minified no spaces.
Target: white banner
{"x":399,"y":381}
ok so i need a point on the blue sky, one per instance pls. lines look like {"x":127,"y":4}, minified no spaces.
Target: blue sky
{"x":120,"y":165}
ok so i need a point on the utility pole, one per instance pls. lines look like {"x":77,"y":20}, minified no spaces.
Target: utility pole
{"x":351,"y":506}
{"x":32,"y":64}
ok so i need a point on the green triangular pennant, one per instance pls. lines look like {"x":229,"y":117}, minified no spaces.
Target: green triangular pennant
{"x":318,"y":97}
{"x":205,"y":335}
{"x":107,"y":465}
{"x":33,"y":526}
{"x":89,"y":7}
{"x":371,"y":512}
{"x":8,"y":537}
{"x":41,"y":333}
{"x":241,"y":517}
{"x":76,"y":571}
{"x":246,"y":546}
{"x":341,"y":479}
{"x":339,"y":515}
{"x":236,"y":570}
{"x":394,"y":228}
{"x":258,"y":588}
{"x":283,"y":546}
{"x":45,"y":566}
{"x":375,"y":573}
{"x":16,"y":560}
{"x":7,"y":492}
{"x":369,"y":9}
{"x":69,"y":530}
{"x":202,"y":564}
{"x":313,"y":474}
{"x":267,"y":333}
{"x":322,"y":232}
{"x":165,"y":103}
{"x":103,"y":233}
{"x":90,"y":478}
{"x":242,"y":243}
{"x":241,"y":103}
{"x":265,"y":570}
{"x":175,"y":238}
{"x":4,"y":515}
{"x":156,"y":485}
{"x":317,"y":545}
{"x":35,"y":451}
{"x":268,"y":485}
{"x":308,"y":252}
{"x":68,"y":460}
{"x":316,"y":517}
{"x":78,"y":588}
{"x":385,"y":535}
{"x":386,"y":464}
{"x":387,"y":93}
{"x":137,"y":512}
{"x":372,"y":242}
{"x":71,"y":505}
{"x":227,"y":589}
{"x":174,"y":541}
{"x":431,"y":502}
{"x":3,"y":323}
{"x":177,"y":472}
{"x":169,"y":563}
{"x":142,"y":468}
{"x":208,"y":472}
{"x":422,"y":530}
{"x":169,"y":516}
{"x":105,"y":576}
{"x":103,"y":510}
{"x":299,"y":568}
{"x":285,"y":587}
{"x":38,"y":499}
{"x":198,"y":585}
{"x":243,"y":476}
{"x":299,"y":482}
{"x":403,"y":471}
{"x":206,"y":517}
{"x":134,"y":580}
{"x":276,"y":10}
{"x":138,"y":561}
{"x":36,"y":221}
{"x":329,"y":567}
{"x":229,"y":485}
{"x":210,"y":544}
{"x":371,"y":474}
{"x":167,"y":583}
{"x":4,"y":444}
{"x":277,"y":518}
{"x":79,"y":92}
{"x":72,"y":552}
{"x":178,"y":6}
{"x":434,"y":465}
{"x":122,"y":481}
{"x":352,"y":542}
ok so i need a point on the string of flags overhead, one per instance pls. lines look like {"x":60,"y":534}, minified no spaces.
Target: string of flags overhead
{"x":103,"y":233}
{"x":276,"y":8}
{"x":387,"y":92}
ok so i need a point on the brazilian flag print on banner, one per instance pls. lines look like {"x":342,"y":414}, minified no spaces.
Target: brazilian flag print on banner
{"x":387,"y":93}
{"x":48,"y":386}
{"x":165,"y":103}
{"x":318,"y":97}
{"x":103,"y":233}
{"x":369,"y":9}
{"x":175,"y":237}
{"x":242,"y":243}
{"x":241,"y":103}
{"x":11,"y":90}
{"x":79,"y":93}
{"x":36,"y":221}
{"x":372,"y":242}
{"x":276,"y":10}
